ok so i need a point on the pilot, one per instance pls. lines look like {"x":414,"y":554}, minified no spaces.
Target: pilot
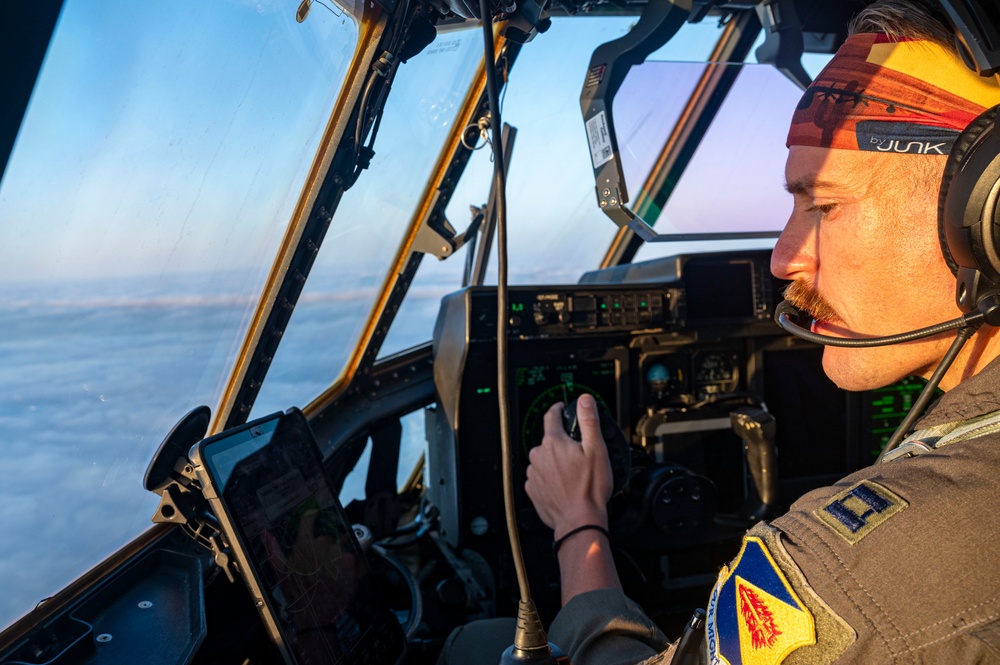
{"x":900,"y":561}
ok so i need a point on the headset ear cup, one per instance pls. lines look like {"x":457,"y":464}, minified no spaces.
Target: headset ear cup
{"x":956,"y":159}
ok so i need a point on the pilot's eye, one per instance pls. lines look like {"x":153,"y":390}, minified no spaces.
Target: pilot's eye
{"x":826,"y":209}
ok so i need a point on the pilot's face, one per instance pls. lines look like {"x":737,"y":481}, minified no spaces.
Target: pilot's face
{"x":862,"y":244}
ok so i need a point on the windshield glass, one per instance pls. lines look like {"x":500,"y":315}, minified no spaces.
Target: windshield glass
{"x":369,"y":222}
{"x":157,"y":166}
{"x":556,"y":231}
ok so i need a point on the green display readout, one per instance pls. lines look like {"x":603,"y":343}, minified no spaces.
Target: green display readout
{"x":888,"y":406}
{"x":517,"y":307}
{"x":483,"y":391}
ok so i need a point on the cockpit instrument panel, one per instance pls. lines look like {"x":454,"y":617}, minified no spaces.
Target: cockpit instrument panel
{"x":716,"y":372}
{"x":539,"y":386}
{"x":668,"y":380}
{"x":724,"y":290}
{"x":672,"y":349}
{"x":730,"y":288}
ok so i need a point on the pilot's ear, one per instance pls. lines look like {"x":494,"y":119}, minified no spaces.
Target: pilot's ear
{"x":968,"y":211}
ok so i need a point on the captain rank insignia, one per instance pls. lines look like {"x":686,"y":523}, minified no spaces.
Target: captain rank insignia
{"x":855,"y":512}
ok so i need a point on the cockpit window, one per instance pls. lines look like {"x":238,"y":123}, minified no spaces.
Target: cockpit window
{"x":157,"y":166}
{"x":556,"y":231}
{"x":369,"y":223}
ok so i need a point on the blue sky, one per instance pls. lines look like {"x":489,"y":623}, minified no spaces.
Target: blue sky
{"x":156,"y":128}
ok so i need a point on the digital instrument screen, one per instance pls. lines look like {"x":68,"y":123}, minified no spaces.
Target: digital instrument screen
{"x":279,"y":508}
{"x":539,"y":386}
{"x":884,"y":410}
{"x":719,"y":290}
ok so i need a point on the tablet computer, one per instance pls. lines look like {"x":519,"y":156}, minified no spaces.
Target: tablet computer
{"x":295,"y":549}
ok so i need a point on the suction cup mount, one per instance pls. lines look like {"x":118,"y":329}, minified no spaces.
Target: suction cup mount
{"x":172,"y":453}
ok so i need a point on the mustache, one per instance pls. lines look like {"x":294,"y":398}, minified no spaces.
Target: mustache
{"x":804,"y":297}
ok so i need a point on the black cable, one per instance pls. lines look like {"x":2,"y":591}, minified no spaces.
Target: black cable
{"x":363,"y":113}
{"x":928,"y":392}
{"x":373,"y":77}
{"x":785,"y":309}
{"x":397,"y":33}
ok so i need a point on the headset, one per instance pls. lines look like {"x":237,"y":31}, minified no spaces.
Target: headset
{"x":969,"y":212}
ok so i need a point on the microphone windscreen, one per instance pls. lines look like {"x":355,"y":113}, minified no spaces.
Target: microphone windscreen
{"x":788,"y":309}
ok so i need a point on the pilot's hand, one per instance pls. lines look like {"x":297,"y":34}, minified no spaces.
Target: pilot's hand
{"x":568,"y":482}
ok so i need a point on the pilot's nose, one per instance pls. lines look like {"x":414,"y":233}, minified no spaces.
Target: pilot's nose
{"x":795,"y":253}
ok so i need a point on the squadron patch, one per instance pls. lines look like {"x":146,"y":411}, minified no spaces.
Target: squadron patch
{"x":855,"y":512}
{"x":754,"y":616}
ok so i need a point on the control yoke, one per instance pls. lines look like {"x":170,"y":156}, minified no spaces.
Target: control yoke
{"x":756,"y":427}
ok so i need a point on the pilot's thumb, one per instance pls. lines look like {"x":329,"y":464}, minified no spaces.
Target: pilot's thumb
{"x":589,"y":420}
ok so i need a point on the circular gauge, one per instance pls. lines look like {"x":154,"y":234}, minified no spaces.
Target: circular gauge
{"x":533,"y":422}
{"x":665,"y":377}
{"x":716,"y":372}
{"x":663,"y":380}
{"x":659,"y":378}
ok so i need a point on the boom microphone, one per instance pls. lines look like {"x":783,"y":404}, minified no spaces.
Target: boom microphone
{"x":786,"y":315}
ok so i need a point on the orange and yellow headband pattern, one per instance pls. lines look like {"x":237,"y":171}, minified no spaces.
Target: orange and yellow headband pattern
{"x":881,"y":95}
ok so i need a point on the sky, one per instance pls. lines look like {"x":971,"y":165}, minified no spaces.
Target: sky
{"x":167,"y":136}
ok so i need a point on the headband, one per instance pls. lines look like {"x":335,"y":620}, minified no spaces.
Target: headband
{"x":884,"y":95}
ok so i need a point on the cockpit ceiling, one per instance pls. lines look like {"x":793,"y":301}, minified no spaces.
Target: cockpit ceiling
{"x":831,"y":16}
{"x":824,"y":23}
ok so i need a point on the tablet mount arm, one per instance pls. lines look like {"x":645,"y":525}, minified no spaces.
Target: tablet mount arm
{"x":171,"y":475}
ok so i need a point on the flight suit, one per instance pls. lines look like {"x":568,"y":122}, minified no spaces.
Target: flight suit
{"x":896,"y":563}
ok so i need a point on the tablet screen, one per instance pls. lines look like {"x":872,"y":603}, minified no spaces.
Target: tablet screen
{"x":317,"y":588}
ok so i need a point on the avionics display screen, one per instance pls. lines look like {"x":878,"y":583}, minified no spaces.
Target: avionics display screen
{"x":539,"y":386}
{"x":282,"y":517}
{"x":883,"y":410}
{"x":719,"y":290}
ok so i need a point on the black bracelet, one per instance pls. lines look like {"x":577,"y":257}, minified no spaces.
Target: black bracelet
{"x":556,"y":544}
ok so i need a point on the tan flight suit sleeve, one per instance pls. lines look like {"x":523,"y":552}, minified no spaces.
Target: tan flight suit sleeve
{"x":604,"y":627}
